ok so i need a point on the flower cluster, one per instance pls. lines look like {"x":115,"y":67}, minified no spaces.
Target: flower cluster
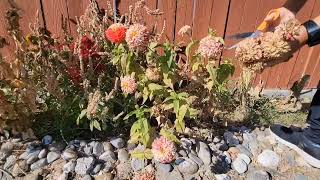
{"x":163,"y":150}
{"x":270,"y":46}
{"x":137,"y":37}
{"x":210,"y":47}
{"x":128,"y":84}
{"x":116,"y":33}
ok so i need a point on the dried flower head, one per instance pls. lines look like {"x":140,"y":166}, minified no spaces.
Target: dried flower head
{"x":163,"y":150}
{"x":274,"y":47}
{"x":288,"y":29}
{"x":153,"y":74}
{"x":128,"y":84}
{"x":116,"y":33}
{"x":184,"y":30}
{"x":249,"y":50}
{"x":93,"y":104}
{"x":210,"y":47}
{"x":137,"y":37}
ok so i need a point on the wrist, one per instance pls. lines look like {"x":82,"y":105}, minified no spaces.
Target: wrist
{"x":313,"y":31}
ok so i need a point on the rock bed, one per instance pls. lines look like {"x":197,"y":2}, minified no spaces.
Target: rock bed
{"x":238,"y":154}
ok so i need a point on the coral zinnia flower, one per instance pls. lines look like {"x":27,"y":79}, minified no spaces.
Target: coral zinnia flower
{"x":210,"y":47}
{"x":128,"y":85}
{"x":137,"y":37}
{"x":163,"y":150}
{"x":116,"y":33}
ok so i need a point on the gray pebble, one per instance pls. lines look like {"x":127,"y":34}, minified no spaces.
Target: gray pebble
{"x":7,"y":147}
{"x":108,"y":156}
{"x":43,"y":153}
{"x":57,"y":146}
{"x":69,"y":166}
{"x":52,"y":156}
{"x":96,"y":169}
{"x":97,"y":149}
{"x":196,"y":159}
{"x":188,"y":166}
{"x":117,"y":143}
{"x":137,"y":164}
{"x":84,"y":165}
{"x":123,"y":155}
{"x":239,"y":165}
{"x":164,"y":168}
{"x":257,"y":175}
{"x":47,"y":139}
{"x":39,"y":164}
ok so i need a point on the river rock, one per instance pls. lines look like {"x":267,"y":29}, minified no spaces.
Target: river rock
{"x":164,"y":168}
{"x":69,"y":166}
{"x":222,"y":177}
{"x":123,"y":155}
{"x":7,"y":147}
{"x":108,"y":156}
{"x":97,"y":148}
{"x":258,"y":175}
{"x":10,"y":161}
{"x":47,"y":139}
{"x":137,"y":164}
{"x":269,"y":159}
{"x":239,"y":165}
{"x":57,"y":146}
{"x":188,"y":166}
{"x":20,"y":168}
{"x":69,"y":154}
{"x":204,"y":153}
{"x":38,"y":164}
{"x":117,"y":143}
{"x":43,"y":153}
{"x":84,"y":165}
{"x":196,"y":159}
{"x":230,"y":139}
{"x":52,"y":156}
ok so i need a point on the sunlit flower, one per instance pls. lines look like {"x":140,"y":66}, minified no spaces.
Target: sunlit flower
{"x":128,"y":85}
{"x":137,"y":37}
{"x":184,"y":30}
{"x":116,"y":33}
{"x":210,"y":47}
{"x":163,"y":150}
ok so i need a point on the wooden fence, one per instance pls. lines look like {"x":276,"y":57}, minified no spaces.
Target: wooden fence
{"x":226,"y":16}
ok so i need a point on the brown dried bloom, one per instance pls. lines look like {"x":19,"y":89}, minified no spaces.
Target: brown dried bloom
{"x":274,"y":47}
{"x":288,"y":29}
{"x":248,"y":51}
{"x":93,"y":104}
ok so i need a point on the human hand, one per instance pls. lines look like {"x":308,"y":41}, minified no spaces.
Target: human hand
{"x":273,"y":20}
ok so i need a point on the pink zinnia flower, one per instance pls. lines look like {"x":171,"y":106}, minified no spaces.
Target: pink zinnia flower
{"x":116,"y":33}
{"x":128,"y":85}
{"x":137,"y":37}
{"x":163,"y":150}
{"x":210,"y":47}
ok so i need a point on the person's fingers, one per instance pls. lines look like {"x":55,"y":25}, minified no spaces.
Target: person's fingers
{"x":270,"y":17}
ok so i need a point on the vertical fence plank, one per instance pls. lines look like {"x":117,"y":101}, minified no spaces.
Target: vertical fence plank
{"x":28,"y":15}
{"x":218,"y":17}
{"x":201,"y":18}
{"x":169,"y":9}
{"x":53,"y":11}
{"x":184,"y":16}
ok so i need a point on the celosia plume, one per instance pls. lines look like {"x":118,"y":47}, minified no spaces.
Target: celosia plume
{"x":163,"y":150}
{"x":137,"y":37}
{"x":87,"y":47}
{"x":128,"y":85}
{"x":116,"y":33}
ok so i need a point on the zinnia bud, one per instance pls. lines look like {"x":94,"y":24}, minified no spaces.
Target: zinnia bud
{"x":163,"y":150}
{"x":116,"y":33}
{"x":128,"y":85}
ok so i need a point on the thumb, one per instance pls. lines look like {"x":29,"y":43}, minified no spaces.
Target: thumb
{"x":270,"y":17}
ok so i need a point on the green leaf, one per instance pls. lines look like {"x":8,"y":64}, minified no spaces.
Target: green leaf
{"x":192,"y":113}
{"x":96,"y":124}
{"x":169,"y":135}
{"x":180,"y":126}
{"x":168,"y":106}
{"x":148,"y":154}
{"x":189,"y":47}
{"x":212,"y":72}
{"x":145,"y":94}
{"x":182,"y":95}
{"x":138,"y":155}
{"x":224,"y":72}
{"x":154,"y":87}
{"x":123,"y":59}
{"x":176,"y":106}
{"x":81,"y":115}
{"x":182,"y":112}
{"x":91,"y":125}
{"x":130,"y":114}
